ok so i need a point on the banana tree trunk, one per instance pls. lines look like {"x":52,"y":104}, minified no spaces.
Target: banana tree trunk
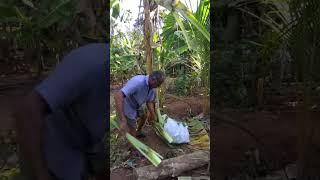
{"x":147,"y":36}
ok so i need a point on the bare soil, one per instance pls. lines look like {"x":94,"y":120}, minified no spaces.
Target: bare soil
{"x":277,"y":129}
{"x":11,"y":90}
{"x":177,"y":109}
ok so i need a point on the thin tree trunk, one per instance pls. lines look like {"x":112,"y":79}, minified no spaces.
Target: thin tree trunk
{"x":147,"y":35}
{"x":39,"y":61}
{"x":206,"y":104}
{"x":260,"y":93}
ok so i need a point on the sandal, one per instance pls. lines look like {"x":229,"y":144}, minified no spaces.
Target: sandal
{"x":141,"y":135}
{"x":130,"y":163}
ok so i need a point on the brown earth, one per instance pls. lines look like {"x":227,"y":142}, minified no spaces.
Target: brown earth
{"x":277,"y":130}
{"x":12,"y":88}
{"x":177,"y":109}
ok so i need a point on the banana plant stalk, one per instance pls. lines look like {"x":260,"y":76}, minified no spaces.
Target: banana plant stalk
{"x":159,"y":124}
{"x":154,"y":157}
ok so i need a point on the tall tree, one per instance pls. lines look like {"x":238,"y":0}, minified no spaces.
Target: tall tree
{"x":147,"y":36}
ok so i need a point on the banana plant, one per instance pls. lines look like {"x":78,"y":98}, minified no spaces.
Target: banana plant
{"x":37,"y":23}
{"x":34,"y":21}
{"x":178,"y":7}
{"x":194,"y":29}
{"x":115,"y":8}
{"x":297,"y":25}
{"x":192,"y":40}
{"x":124,"y":56}
{"x":159,"y":125}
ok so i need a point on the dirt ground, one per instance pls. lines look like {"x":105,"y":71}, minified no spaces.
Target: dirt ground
{"x":11,"y":89}
{"x":177,"y":109}
{"x":277,"y":129}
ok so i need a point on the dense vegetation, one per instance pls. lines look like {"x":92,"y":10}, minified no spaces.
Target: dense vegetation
{"x":34,"y":36}
{"x":179,"y":46}
{"x":42,"y":31}
{"x":264,"y":40}
{"x":269,"y":48}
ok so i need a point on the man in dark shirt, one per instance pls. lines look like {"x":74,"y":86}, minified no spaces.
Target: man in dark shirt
{"x":62,"y":123}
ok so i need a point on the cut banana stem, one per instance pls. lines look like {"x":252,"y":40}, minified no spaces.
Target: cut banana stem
{"x":150,"y":154}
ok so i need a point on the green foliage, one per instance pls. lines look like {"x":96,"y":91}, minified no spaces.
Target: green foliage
{"x":118,"y":154}
{"x":10,"y":174}
{"x":125,"y":59}
{"x":49,"y":28}
{"x":185,"y":42}
{"x":234,"y":74}
{"x":182,"y":84}
{"x":34,"y":21}
{"x":304,"y":39}
{"x":285,"y":26}
{"x":114,"y":8}
{"x":159,"y":126}
{"x":184,"y":45}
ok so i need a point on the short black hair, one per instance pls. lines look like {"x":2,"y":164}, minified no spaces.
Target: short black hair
{"x":157,"y":75}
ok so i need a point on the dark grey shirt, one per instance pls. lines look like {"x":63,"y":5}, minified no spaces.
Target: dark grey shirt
{"x":76,"y":94}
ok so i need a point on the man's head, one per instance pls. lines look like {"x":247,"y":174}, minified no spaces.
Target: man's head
{"x":156,"y":79}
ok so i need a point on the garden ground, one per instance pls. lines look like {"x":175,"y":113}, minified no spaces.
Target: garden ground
{"x":277,"y":129}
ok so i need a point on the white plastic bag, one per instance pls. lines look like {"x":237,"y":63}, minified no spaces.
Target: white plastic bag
{"x":178,"y":131}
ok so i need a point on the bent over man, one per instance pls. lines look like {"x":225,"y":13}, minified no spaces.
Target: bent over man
{"x":61,"y":124}
{"x":131,"y":100}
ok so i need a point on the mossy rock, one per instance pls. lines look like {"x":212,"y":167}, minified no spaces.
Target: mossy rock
{"x":11,"y":174}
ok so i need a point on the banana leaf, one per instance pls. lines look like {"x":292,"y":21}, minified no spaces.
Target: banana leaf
{"x":159,"y":127}
{"x":154,"y":157}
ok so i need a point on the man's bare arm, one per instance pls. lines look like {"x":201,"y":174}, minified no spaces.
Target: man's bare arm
{"x":29,"y":115}
{"x":119,"y":101}
{"x":152,"y":110}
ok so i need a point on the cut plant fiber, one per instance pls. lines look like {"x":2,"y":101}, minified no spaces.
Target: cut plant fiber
{"x":154,"y":157}
{"x":199,"y":137}
{"x":159,"y":127}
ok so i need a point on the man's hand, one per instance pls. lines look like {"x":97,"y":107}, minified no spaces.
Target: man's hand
{"x":124,"y":128}
{"x":151,"y":118}
{"x":151,"y":113}
{"x":119,"y":99}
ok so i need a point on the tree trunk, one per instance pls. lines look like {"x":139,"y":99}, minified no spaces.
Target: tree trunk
{"x":232,"y":32}
{"x":206,"y":104}
{"x":147,"y":35}
{"x":276,"y":75}
{"x":306,"y":130}
{"x":260,"y":93}
{"x":174,"y":166}
{"x":39,"y":60}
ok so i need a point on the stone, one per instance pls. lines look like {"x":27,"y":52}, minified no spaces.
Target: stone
{"x":13,"y":160}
